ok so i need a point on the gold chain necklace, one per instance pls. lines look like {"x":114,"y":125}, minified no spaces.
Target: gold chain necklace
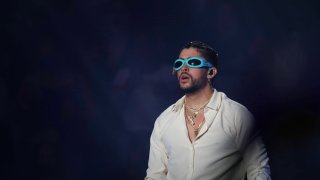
{"x":194,"y":109}
{"x":195,"y":113}
{"x":192,"y":123}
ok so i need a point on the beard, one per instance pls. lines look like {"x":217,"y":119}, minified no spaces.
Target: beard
{"x":194,"y":85}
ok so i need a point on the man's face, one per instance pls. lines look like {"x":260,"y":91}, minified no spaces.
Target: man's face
{"x":191,"y":79}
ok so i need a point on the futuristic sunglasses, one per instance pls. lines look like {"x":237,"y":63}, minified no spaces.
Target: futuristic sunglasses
{"x":194,"y":62}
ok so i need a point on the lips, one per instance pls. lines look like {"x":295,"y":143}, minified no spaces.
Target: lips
{"x":184,"y":78}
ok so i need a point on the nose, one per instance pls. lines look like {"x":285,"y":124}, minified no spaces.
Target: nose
{"x":185,"y":68}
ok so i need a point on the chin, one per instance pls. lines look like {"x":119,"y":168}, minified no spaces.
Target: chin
{"x":184,"y":87}
{"x":187,"y":89}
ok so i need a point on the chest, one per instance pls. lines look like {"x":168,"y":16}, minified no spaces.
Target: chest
{"x":194,"y":126}
{"x":179,"y":136}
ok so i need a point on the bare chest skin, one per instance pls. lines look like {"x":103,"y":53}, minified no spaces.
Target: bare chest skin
{"x":193,"y":131}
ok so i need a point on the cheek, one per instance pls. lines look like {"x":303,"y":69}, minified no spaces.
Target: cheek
{"x":196,"y":73}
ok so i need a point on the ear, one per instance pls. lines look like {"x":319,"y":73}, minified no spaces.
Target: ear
{"x":212,"y":72}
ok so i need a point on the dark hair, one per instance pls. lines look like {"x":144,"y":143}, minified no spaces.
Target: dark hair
{"x":205,"y":50}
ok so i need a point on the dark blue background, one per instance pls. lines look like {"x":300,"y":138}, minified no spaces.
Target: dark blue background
{"x":82,"y":82}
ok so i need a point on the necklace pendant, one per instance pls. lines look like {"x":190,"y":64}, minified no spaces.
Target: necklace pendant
{"x":191,"y":121}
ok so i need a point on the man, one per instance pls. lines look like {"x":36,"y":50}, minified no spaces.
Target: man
{"x":204,"y":135}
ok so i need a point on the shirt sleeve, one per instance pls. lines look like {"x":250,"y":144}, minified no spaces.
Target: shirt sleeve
{"x":253,"y":149}
{"x":157,"y":165}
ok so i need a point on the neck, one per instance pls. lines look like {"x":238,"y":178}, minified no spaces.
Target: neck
{"x":200,"y":97}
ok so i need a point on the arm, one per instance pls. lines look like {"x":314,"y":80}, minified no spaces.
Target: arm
{"x":157,"y":166}
{"x":256,"y":160}
{"x":253,"y":150}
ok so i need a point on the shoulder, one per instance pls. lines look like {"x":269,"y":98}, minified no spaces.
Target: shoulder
{"x":169,"y":114}
{"x":234,"y":108}
{"x":165,"y":114}
{"x":236,"y":115}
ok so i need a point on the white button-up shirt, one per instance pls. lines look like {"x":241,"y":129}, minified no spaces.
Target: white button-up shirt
{"x":225,"y":148}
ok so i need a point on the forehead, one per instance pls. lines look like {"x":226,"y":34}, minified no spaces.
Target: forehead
{"x":186,"y":53}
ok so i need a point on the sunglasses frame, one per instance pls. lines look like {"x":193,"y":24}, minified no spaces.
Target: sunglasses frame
{"x":203,"y":63}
